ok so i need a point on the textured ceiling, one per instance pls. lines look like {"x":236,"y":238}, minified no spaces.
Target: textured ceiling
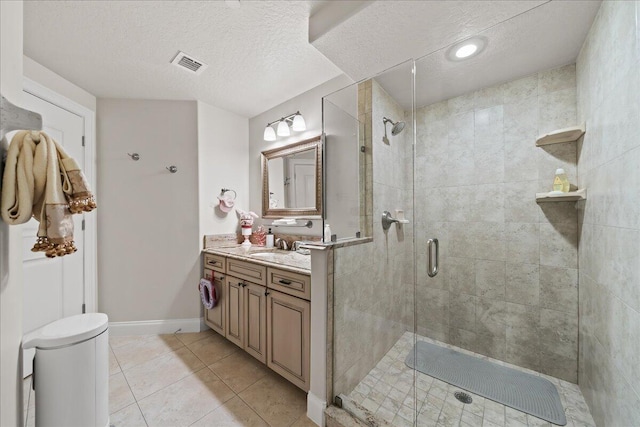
{"x":542,"y":38}
{"x":258,"y":54}
{"x":386,"y":33}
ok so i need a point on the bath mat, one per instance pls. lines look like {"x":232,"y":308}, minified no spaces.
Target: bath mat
{"x":519,"y":390}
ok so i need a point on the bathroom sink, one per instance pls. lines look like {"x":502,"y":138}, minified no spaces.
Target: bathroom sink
{"x":263,"y":254}
{"x":274,"y":254}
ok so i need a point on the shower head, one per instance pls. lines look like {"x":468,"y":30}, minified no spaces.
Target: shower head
{"x":397,"y":126}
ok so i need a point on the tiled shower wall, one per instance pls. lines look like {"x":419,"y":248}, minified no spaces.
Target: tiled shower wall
{"x":609,"y":167}
{"x":507,"y":286}
{"x":373,"y":287}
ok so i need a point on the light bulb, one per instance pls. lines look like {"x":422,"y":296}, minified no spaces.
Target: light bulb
{"x":298,"y":123}
{"x":283,"y":128}
{"x":466,"y":50}
{"x":269,"y":134}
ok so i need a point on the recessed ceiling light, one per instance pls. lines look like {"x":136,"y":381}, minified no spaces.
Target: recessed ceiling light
{"x":466,"y":49}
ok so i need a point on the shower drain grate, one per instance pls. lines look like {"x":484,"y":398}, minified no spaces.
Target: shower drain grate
{"x":462,"y":397}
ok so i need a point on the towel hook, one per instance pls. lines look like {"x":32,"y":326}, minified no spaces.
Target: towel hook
{"x":172,"y":169}
{"x":134,"y":156}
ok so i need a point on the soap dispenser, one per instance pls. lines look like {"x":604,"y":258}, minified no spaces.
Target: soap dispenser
{"x":327,"y":233}
{"x":561,"y":182}
{"x":269,"y":239}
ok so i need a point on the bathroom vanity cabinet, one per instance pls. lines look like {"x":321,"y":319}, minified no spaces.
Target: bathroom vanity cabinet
{"x":265,"y":310}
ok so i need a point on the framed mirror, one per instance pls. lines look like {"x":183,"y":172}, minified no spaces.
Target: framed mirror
{"x":292,"y":180}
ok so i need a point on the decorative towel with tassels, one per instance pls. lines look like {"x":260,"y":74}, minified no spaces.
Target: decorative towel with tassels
{"x":41,"y":181}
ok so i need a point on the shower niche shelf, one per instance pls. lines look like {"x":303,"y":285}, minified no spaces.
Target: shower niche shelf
{"x":559,"y":136}
{"x":572,"y":196}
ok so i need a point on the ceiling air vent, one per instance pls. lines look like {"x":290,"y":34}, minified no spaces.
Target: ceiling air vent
{"x":188,"y":63}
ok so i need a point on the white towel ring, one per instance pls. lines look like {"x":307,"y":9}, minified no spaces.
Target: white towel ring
{"x":225,"y":190}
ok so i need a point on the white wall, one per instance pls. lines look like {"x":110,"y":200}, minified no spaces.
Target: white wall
{"x":223,"y":144}
{"x":58,"y":84}
{"x":10,"y":242}
{"x":149,"y":242}
{"x":310,"y":106}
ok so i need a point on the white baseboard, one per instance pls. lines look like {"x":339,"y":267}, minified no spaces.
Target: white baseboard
{"x":146,"y":327}
{"x":315,"y":409}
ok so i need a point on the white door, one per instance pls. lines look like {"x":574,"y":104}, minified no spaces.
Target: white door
{"x":53,"y":287}
{"x":303,"y":190}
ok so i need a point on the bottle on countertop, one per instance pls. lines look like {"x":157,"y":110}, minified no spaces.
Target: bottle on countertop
{"x":561,"y":182}
{"x":269,"y":239}
{"x":327,"y":233}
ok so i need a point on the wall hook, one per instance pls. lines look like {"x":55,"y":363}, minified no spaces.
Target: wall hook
{"x":172,"y":169}
{"x":135,"y":156}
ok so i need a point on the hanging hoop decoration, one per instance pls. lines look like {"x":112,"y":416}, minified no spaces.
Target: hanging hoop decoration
{"x":208,"y":294}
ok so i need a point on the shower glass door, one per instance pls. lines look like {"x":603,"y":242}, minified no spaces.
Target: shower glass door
{"x":477,"y":171}
{"x":373,"y":273}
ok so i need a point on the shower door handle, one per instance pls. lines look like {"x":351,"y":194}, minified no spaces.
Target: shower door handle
{"x":433,"y":267}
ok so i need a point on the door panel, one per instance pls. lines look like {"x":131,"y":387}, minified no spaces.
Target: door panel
{"x":235,"y":311}
{"x":302,"y":183}
{"x":255,"y":306}
{"x":215,"y":317}
{"x":288,"y":330}
{"x":53,"y":288}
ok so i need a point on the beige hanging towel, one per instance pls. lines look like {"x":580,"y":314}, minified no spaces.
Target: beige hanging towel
{"x":41,"y":181}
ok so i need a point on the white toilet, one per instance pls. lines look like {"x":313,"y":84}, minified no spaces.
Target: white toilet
{"x":71,"y":371}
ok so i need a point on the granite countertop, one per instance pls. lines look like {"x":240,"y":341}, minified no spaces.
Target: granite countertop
{"x":270,"y":257}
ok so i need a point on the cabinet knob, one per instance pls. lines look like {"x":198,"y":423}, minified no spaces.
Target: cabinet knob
{"x":266,"y":293}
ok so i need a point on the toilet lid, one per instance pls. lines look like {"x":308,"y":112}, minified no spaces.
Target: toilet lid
{"x":67,"y":331}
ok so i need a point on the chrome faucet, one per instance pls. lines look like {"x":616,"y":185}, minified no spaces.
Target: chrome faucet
{"x":296,"y":245}
{"x":281,"y":243}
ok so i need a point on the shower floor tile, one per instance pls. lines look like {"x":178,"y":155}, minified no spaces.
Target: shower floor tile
{"x":388,"y":392}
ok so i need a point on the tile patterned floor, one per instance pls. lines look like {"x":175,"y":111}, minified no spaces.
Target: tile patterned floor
{"x":192,"y":379}
{"x":387,"y":392}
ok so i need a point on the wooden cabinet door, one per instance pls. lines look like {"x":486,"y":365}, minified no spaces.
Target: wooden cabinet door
{"x":235,"y":311}
{"x":288,"y":334}
{"x":215,"y":317}
{"x":255,"y":327}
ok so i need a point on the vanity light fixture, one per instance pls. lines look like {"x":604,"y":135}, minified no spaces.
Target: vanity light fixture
{"x":298,"y":123}
{"x":269,"y":134}
{"x":295,"y":121}
{"x":466,"y":49}
{"x":283,"y":129}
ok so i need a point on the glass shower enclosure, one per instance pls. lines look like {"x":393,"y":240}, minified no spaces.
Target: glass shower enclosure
{"x":466,"y":258}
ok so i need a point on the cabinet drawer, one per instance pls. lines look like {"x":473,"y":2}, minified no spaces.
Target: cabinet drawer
{"x":298,"y":285}
{"x":248,"y":271}
{"x":214,"y":262}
